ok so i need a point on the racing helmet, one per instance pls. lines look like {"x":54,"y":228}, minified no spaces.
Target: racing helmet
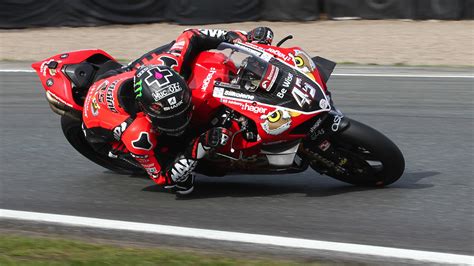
{"x":164,"y":97}
{"x":255,"y":73}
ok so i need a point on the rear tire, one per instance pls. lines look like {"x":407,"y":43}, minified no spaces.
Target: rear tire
{"x":72,"y":130}
{"x":372,"y":158}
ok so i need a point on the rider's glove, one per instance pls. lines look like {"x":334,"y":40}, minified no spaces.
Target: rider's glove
{"x":211,"y":139}
{"x":215,"y":137}
{"x":179,"y":175}
{"x":235,"y":37}
{"x":262,"y":35}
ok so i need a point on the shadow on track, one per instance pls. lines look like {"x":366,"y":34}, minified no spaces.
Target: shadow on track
{"x":215,"y":187}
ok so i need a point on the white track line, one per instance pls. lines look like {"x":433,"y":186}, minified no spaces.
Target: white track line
{"x":426,"y":256}
{"x":402,"y":75}
{"x":17,"y":70}
{"x":334,"y":74}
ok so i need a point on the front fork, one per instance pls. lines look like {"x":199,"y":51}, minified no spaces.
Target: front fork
{"x":318,"y":148}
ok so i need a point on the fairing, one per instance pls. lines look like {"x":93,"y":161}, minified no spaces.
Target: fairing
{"x":296,"y":95}
{"x":56,"y":82}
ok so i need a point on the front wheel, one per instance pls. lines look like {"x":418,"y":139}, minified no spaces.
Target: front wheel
{"x":360,"y":155}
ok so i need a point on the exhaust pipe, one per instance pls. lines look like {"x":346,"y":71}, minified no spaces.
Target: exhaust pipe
{"x":61,"y":108}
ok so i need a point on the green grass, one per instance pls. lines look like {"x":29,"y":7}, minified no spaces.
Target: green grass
{"x":22,"y":250}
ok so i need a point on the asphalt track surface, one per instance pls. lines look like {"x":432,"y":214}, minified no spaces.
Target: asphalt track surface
{"x":430,"y":208}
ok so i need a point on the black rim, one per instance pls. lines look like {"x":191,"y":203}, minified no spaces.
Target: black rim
{"x":360,"y":162}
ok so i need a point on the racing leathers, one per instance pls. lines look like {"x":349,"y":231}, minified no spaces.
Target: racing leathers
{"x":111,"y":115}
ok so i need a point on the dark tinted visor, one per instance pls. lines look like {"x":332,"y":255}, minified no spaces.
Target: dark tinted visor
{"x":173,"y":125}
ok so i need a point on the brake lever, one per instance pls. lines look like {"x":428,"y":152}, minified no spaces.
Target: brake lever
{"x":284,"y":40}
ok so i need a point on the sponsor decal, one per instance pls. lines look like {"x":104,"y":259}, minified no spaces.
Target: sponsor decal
{"x":342,"y":162}
{"x":142,"y":159}
{"x":151,"y":170}
{"x":213,"y":33}
{"x":109,"y":97}
{"x":167,"y":91}
{"x":239,"y":95}
{"x":316,"y":125}
{"x":173,"y":104}
{"x":118,"y":130}
{"x":304,"y":62}
{"x":102,"y":86}
{"x":64,"y":56}
{"x":137,"y":87}
{"x":101,"y":97}
{"x":285,"y":57}
{"x":95,"y":107}
{"x":227,"y":85}
{"x":140,"y":74}
{"x":232,"y":102}
{"x":158,"y":77}
{"x":182,"y":169}
{"x":218,"y":92}
{"x":286,"y":84}
{"x":323,"y":104}
{"x":172,"y":100}
{"x":206,"y":81}
{"x":317,"y":133}
{"x":324,"y":146}
{"x":277,"y":121}
{"x":101,"y":91}
{"x":259,"y":53}
{"x":138,"y":156}
{"x":270,"y":77}
{"x":49,"y":82}
{"x":287,"y":81}
{"x":253,"y":108}
{"x":336,"y":122}
{"x":44,"y":66}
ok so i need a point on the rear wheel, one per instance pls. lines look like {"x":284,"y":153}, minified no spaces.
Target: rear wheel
{"x":72,"y":129}
{"x":361,"y":155}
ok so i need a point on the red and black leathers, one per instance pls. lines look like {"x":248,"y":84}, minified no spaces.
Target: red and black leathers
{"x":186,"y":47}
{"x":110,"y":112}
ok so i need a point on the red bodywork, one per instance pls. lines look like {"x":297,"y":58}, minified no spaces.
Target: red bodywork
{"x":61,"y":88}
{"x":208,"y":67}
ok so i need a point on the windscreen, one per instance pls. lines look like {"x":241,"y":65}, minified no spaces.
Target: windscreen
{"x":273,"y":81}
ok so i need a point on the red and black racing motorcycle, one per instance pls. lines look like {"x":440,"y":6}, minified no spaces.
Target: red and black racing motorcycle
{"x":274,"y":100}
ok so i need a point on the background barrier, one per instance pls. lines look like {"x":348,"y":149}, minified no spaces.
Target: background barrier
{"x":400,"y":9}
{"x":40,"y":13}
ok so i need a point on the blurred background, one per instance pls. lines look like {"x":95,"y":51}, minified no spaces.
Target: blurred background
{"x":382,"y":32}
{"x":40,"y":13}
{"x":426,"y":108}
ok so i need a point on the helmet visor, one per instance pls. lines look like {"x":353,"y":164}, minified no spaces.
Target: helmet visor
{"x":172,"y":125}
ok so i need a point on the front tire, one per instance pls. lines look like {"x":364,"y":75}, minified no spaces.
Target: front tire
{"x":365,"y":157}
{"x":72,"y":129}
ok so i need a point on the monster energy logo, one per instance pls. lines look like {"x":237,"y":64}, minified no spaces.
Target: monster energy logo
{"x":138,"y":88}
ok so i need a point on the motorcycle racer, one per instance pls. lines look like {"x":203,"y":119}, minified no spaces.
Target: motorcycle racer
{"x":128,"y":111}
